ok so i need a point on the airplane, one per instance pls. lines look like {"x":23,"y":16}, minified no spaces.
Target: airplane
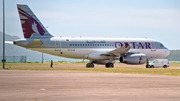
{"x":103,"y":51}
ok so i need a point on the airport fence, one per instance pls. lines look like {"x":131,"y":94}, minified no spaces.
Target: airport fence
{"x":15,"y":58}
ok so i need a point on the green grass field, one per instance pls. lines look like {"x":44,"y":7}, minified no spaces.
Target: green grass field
{"x":81,"y":67}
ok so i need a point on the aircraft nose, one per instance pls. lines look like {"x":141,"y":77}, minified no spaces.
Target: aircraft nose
{"x":167,"y":52}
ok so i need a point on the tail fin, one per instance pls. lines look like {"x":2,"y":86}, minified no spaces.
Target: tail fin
{"x":31,"y":26}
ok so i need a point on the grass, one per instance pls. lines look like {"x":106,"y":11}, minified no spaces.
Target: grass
{"x":175,"y":64}
{"x":63,"y":66}
{"x":156,"y":71}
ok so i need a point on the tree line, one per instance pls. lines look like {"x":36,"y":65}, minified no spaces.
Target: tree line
{"x":174,"y":55}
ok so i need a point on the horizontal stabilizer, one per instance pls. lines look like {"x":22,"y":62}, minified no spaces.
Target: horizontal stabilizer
{"x":36,"y":42}
{"x":9,"y":42}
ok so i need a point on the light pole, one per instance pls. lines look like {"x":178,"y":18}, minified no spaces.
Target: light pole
{"x":42,"y":58}
{"x":3,"y":60}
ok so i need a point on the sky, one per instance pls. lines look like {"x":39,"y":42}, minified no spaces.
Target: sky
{"x":154,"y":19}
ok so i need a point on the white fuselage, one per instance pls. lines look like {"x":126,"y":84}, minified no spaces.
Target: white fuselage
{"x":78,"y":48}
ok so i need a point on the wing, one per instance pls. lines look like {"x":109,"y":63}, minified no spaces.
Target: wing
{"x":118,"y":51}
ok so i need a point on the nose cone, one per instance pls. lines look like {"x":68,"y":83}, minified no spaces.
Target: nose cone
{"x":167,"y":52}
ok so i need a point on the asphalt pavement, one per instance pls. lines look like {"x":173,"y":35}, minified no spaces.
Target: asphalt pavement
{"x":86,"y":86}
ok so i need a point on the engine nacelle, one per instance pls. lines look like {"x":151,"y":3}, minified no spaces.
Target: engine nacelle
{"x":137,"y":58}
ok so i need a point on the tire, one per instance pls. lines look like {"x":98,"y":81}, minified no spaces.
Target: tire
{"x":147,"y":66}
{"x":109,"y":65}
{"x":164,"y":66}
{"x":152,"y":66}
{"x":89,"y":65}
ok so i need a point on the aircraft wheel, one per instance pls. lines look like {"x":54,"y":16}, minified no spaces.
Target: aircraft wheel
{"x":90,"y":65}
{"x":109,"y":65}
{"x":165,"y":66}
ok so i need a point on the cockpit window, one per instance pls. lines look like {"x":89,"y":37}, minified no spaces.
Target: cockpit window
{"x":161,"y":45}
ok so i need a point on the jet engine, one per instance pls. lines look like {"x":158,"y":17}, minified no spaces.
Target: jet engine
{"x":136,"y":58}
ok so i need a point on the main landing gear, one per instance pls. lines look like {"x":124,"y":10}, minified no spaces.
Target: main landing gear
{"x":90,"y":65}
{"x":107,"y":65}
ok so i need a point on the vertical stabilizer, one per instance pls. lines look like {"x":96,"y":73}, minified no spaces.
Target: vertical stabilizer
{"x":31,"y":26}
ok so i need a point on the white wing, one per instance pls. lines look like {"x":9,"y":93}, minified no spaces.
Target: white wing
{"x":118,"y":51}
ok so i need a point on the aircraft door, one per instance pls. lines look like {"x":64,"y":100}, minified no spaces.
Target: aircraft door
{"x":58,"y":45}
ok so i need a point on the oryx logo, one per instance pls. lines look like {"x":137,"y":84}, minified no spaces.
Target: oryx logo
{"x":29,"y":24}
